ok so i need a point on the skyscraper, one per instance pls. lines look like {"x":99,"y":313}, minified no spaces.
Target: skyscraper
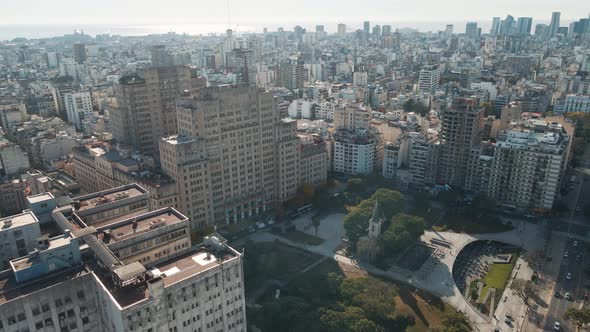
{"x":386,"y":30}
{"x":366,"y":28}
{"x":554,"y":24}
{"x":524,"y":25}
{"x":495,"y":26}
{"x":241,"y":62}
{"x":507,"y":25}
{"x":471,"y":30}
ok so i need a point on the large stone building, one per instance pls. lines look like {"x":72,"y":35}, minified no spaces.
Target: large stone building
{"x":147,"y":106}
{"x":93,"y":277}
{"x":229,"y":153}
{"x":314,"y":160}
{"x":98,"y":166}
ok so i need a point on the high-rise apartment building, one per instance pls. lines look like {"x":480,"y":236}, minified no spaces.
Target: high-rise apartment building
{"x":242,"y":62}
{"x":462,"y":125}
{"x":80,"y":53}
{"x":554,"y":25}
{"x":225,"y":157}
{"x":78,"y":107}
{"x":292,"y":74}
{"x":160,"y":56}
{"x":527,"y":165}
{"x":147,"y":106}
{"x":428,"y":79}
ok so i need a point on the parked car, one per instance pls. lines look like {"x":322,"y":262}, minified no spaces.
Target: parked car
{"x":568,"y":296}
{"x":556,"y":326}
{"x":568,"y":276}
{"x":251,"y":229}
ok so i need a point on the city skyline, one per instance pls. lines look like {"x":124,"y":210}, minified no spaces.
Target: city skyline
{"x":253,"y":16}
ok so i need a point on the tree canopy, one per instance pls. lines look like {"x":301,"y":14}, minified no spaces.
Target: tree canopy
{"x":402,"y":232}
{"x":356,"y":222}
{"x":580,"y":317}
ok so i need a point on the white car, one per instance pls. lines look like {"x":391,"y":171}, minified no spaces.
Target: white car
{"x":575,"y":243}
{"x":565,"y":254}
{"x":568,"y":276}
{"x":567,"y":296}
{"x":556,"y":326}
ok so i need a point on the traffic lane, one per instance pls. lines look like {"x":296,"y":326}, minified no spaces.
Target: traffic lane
{"x":572,"y":266}
{"x":558,"y":304}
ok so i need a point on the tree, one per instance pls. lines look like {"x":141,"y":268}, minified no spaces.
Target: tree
{"x":356,"y":222}
{"x":450,"y":197}
{"x":402,"y":232}
{"x":580,"y":317}
{"x":524,"y":288}
{"x":455,"y":322}
{"x":373,"y":296}
{"x":349,"y":319}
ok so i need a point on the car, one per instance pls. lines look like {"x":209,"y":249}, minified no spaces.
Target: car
{"x":578,"y":257}
{"x":271,"y":222}
{"x":578,"y":209}
{"x":260,"y":225}
{"x":566,"y":254}
{"x":509,"y":316}
{"x":557,"y":295}
{"x":556,"y":326}
{"x":568,"y":296}
{"x":251,"y":229}
{"x":568,"y":276}
{"x":508,"y":321}
{"x":575,"y":243}
{"x":586,"y":296}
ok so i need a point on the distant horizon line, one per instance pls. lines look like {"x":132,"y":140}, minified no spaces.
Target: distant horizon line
{"x":13,"y":30}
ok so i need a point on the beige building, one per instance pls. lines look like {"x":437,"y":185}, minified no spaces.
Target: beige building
{"x":147,"y":106}
{"x":99,"y":167}
{"x":314,"y":160}
{"x":226,"y":158}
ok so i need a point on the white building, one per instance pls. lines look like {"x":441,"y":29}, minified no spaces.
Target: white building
{"x":356,"y":152}
{"x":78,"y":107}
{"x":360,"y":78}
{"x":18,"y":235}
{"x":301,"y":109}
{"x":428,"y":79}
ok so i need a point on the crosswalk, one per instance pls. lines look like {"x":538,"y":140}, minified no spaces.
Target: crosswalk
{"x":579,"y":237}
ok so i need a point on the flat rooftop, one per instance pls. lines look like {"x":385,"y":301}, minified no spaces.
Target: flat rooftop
{"x":145,"y":222}
{"x":40,"y":197}
{"x":18,"y":220}
{"x":91,"y":201}
{"x":197,"y":260}
{"x":28,"y":261}
{"x":10,"y":289}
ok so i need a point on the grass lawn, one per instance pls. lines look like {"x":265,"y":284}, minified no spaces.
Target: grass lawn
{"x":497,"y":277}
{"x":300,"y":237}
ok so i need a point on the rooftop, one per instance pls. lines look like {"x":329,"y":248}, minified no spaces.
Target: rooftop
{"x":141,"y":224}
{"x":102,"y":197}
{"x":40,"y":198}
{"x":18,"y":220}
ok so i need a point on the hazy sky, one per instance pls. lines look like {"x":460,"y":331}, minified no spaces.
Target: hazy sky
{"x":256,"y":13}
